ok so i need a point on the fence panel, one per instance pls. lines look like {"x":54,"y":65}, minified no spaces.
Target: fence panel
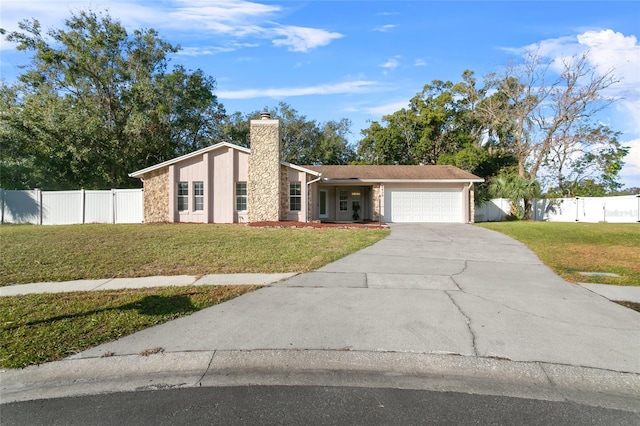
{"x":590,"y":209}
{"x":622,"y":209}
{"x":62,"y":207}
{"x":72,"y":207}
{"x":129,"y":205}
{"x":495,"y":210}
{"x":21,"y":206}
{"x":98,"y":207}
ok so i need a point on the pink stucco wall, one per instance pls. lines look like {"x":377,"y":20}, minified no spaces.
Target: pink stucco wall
{"x":219,"y":170}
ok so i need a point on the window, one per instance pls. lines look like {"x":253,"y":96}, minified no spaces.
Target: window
{"x":241,"y":196}
{"x":295,"y":197}
{"x":344,"y":199}
{"x":198,"y":196}
{"x":183,"y":196}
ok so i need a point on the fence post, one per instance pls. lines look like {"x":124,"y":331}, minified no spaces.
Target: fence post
{"x":39,"y":202}
{"x":638,"y":198}
{"x":577,"y":209}
{"x":113,"y":206}
{"x":83,"y":206}
{"x":2,"y":206}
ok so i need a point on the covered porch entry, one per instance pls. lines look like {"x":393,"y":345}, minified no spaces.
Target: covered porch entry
{"x":345,"y":203}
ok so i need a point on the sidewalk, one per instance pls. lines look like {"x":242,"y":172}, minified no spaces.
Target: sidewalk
{"x":143,"y":282}
{"x":611,"y":292}
{"x":618,"y":293}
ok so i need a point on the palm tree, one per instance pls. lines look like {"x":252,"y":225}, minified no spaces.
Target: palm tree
{"x":516,"y":189}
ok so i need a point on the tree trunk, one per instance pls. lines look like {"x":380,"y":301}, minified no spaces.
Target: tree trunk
{"x":528,"y":208}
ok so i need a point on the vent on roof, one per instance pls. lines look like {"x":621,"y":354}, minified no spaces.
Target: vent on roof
{"x":265,"y":115}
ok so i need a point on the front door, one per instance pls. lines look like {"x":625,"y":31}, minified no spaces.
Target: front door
{"x":356,"y":213}
{"x":349,"y":204}
{"x":324,"y":204}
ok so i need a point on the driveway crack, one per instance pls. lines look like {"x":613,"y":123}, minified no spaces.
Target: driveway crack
{"x":452,"y":276}
{"x":467,"y":320}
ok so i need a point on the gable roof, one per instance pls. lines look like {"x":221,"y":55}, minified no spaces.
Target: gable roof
{"x":358,"y":173}
{"x":395,"y":173}
{"x":142,"y":172}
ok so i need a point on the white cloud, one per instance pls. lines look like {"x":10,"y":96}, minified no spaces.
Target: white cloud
{"x":420,"y":63}
{"x":203,"y":50}
{"x":630,"y":172}
{"x":391,"y":63}
{"x":213,"y":50}
{"x":302,"y":39}
{"x":388,"y":108}
{"x":384,"y":28}
{"x":52,"y":13}
{"x":231,"y":18}
{"x":231,"y":11}
{"x":633,"y":158}
{"x":348,"y":87}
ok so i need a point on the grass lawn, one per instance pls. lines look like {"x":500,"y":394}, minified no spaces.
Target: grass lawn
{"x":47,"y":327}
{"x":61,"y":253}
{"x":40,"y":328}
{"x":569,"y":248}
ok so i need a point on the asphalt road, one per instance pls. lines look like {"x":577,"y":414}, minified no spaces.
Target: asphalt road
{"x":301,"y":405}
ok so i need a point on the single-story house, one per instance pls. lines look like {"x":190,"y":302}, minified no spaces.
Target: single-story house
{"x":226,"y":183}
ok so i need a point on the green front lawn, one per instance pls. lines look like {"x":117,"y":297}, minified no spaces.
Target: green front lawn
{"x":61,"y":253}
{"x":569,"y":248}
{"x":47,"y":327}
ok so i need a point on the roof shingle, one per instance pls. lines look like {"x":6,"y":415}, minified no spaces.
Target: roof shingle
{"x":393,"y":172}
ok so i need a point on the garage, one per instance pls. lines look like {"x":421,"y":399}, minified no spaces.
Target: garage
{"x":424,"y":205}
{"x":395,"y":193}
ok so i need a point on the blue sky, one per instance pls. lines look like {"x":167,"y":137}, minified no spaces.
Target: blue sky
{"x":364,"y":59}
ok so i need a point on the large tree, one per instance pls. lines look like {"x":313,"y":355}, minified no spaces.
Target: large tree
{"x":97,"y":103}
{"x":435,"y":122}
{"x":537,"y":116}
{"x":549,"y":123}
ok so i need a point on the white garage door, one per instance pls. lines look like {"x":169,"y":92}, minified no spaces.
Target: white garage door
{"x":424,"y":205}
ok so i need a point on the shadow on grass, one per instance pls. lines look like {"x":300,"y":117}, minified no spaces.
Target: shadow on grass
{"x":152,"y":305}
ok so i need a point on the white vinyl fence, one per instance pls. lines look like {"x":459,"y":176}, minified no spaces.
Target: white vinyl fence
{"x":622,"y":209}
{"x":72,"y":207}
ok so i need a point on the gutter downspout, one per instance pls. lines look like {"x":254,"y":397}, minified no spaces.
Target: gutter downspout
{"x":307,"y":200}
{"x":471,"y":210}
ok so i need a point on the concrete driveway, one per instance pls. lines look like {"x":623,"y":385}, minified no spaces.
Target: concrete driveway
{"x":426,"y":289}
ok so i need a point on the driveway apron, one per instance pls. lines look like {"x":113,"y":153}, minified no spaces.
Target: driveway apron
{"x":427,"y":288}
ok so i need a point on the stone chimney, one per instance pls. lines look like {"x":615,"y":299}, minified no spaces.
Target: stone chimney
{"x":263,"y":186}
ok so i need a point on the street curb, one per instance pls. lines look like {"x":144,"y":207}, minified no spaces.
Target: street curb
{"x":435,"y":372}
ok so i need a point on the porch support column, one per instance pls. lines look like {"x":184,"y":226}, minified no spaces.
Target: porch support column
{"x":472,"y":204}
{"x":377,"y":203}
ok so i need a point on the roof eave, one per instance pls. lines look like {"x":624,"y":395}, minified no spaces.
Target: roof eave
{"x":330,"y":180}
{"x":301,"y":169}
{"x":140,"y":173}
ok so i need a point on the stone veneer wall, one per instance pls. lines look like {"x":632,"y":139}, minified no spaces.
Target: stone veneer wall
{"x":376,"y":202}
{"x":264,"y":184}
{"x":156,"y":196}
{"x":284,"y":193}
